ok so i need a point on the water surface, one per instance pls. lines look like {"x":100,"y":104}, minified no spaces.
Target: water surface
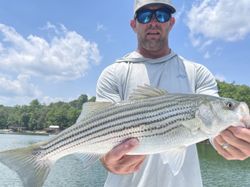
{"x":69,"y":172}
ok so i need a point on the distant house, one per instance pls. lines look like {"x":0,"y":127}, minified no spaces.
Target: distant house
{"x":53,"y":129}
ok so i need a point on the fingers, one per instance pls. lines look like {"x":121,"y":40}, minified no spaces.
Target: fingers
{"x":241,"y":133}
{"x":127,"y":164}
{"x":218,"y":142}
{"x":138,"y":165}
{"x":229,"y":152}
{"x":238,"y":148}
{"x":118,"y":162}
{"x":131,"y":160}
{"x":240,"y":138}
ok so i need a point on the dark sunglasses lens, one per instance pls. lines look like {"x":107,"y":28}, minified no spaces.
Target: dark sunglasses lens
{"x":144,"y":16}
{"x":162,"y":16}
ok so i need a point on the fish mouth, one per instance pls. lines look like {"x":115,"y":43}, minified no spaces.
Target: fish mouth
{"x":246,"y":121}
{"x":243,"y":108}
{"x":243,"y":112}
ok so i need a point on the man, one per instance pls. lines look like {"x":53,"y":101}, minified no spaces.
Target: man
{"x":155,"y":64}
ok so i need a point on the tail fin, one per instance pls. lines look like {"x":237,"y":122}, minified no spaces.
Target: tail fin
{"x":32,"y":171}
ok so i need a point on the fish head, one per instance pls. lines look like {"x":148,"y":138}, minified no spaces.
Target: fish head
{"x":217,"y":114}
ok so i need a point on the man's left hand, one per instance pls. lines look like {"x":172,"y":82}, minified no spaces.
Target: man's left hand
{"x":233,"y":143}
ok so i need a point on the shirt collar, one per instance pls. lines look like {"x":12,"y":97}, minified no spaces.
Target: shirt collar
{"x":136,"y":57}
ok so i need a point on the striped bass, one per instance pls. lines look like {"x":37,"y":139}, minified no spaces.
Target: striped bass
{"x":159,"y":120}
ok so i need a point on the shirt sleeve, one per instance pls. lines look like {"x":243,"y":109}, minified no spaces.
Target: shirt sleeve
{"x":107,"y":88}
{"x":206,"y":84}
{"x":205,"y":81}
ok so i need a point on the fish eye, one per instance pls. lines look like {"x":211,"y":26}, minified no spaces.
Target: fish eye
{"x":229,"y":105}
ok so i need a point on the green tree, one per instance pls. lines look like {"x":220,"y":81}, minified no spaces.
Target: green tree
{"x":237,"y":92}
{"x":79,"y":102}
{"x":37,"y":116}
{"x":3,"y":117}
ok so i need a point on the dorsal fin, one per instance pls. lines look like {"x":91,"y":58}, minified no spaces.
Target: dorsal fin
{"x":146,"y":91}
{"x":91,"y":108}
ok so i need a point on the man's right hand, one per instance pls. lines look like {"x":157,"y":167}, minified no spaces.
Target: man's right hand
{"x":116,"y":160}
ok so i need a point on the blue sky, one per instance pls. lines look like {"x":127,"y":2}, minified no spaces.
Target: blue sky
{"x":56,"y":49}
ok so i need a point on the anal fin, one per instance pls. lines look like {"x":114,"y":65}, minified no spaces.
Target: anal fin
{"x":175,"y":159}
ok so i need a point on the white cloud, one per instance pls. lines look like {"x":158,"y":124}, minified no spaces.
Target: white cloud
{"x":104,"y":30}
{"x":67,"y":56}
{"x":18,"y":88}
{"x":206,"y":44}
{"x":218,"y":19}
{"x":17,"y":91}
{"x":25,"y":61}
{"x":207,"y":55}
{"x":12,"y":101}
{"x":220,"y":77}
{"x":47,"y":99}
{"x":180,"y":12}
{"x":100,"y":27}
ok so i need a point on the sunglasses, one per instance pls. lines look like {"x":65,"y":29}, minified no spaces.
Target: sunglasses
{"x":144,"y":16}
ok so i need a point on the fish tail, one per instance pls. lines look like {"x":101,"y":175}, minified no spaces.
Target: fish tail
{"x":32,"y":171}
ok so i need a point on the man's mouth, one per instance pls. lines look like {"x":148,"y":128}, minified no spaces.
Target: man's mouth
{"x":153,"y":33}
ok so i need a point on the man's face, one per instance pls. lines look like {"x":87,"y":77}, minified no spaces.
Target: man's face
{"x":152,"y":36}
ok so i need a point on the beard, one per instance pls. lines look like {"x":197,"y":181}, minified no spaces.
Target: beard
{"x":152,"y":42}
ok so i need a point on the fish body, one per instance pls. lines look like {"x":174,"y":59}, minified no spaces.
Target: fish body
{"x":159,"y":120}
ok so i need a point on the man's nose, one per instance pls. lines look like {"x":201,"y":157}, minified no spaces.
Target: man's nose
{"x":153,"y":20}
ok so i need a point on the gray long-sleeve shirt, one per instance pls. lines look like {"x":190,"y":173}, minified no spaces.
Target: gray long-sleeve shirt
{"x":174,"y":74}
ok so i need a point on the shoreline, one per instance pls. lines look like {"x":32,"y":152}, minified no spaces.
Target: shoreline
{"x":7,"y":131}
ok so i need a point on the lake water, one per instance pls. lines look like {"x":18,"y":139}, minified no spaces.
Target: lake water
{"x":68,"y":172}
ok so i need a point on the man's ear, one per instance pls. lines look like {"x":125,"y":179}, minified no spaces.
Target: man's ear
{"x":172,"y":22}
{"x":133,"y":24}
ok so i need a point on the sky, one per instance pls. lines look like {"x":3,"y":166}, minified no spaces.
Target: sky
{"x":55,"y":50}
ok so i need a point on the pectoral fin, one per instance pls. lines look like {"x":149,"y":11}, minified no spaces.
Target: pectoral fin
{"x":175,"y":159}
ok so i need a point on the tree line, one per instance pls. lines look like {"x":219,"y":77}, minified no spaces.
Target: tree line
{"x":37,"y":116}
{"x":237,"y":92}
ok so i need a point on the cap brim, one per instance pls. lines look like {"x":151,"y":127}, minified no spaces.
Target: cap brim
{"x":171,"y":8}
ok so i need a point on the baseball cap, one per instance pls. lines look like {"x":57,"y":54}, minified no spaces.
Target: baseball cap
{"x":140,"y":3}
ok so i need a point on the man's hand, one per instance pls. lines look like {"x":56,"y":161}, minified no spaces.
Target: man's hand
{"x":116,"y":160}
{"x":234,"y":143}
